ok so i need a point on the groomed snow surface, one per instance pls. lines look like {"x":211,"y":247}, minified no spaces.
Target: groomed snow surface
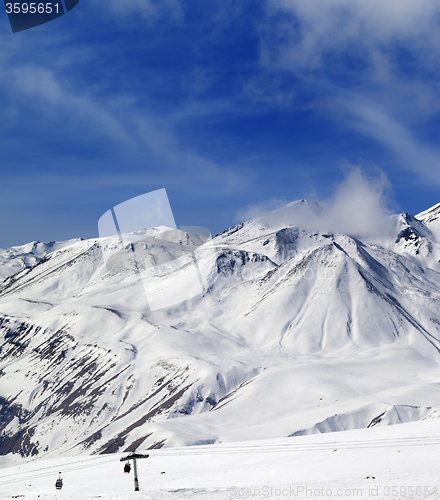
{"x":399,"y":462}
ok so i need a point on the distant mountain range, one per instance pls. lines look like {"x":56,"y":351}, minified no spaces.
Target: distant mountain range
{"x":297,"y":331}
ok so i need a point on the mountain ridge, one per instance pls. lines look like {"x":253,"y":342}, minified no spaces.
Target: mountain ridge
{"x":297,"y":331}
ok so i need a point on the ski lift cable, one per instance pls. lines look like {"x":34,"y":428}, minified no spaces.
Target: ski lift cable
{"x":288,"y":447}
{"x":405,"y":441}
{"x":311,"y":448}
{"x":304,"y":449}
{"x":257,"y":446}
{"x":392,"y":442}
{"x":47,"y":474}
{"x":192,"y":449}
{"x":88,"y":460}
{"x":381,"y":442}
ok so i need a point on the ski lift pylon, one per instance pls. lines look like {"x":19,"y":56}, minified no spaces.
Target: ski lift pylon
{"x":59,"y":482}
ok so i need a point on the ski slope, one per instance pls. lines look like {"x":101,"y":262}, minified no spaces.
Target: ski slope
{"x":389,"y":462}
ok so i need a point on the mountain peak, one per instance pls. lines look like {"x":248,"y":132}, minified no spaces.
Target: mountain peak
{"x":431,"y":219}
{"x":426,"y":215}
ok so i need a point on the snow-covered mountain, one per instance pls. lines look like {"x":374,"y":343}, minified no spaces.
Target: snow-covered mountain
{"x":298,"y":331}
{"x":15,"y":259}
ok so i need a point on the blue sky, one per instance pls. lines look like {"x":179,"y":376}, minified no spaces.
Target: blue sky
{"x":228,"y":105}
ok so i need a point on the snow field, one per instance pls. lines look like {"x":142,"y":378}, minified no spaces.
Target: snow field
{"x":390,"y":462}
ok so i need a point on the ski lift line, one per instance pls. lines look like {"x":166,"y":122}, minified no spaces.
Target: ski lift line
{"x":25,"y":478}
{"x":95,"y":461}
{"x":252,"y":449}
{"x":47,"y":474}
{"x":299,"y":449}
{"x":390,"y":440}
{"x":304,"y":449}
{"x":323,"y":446}
{"x":88,"y":460}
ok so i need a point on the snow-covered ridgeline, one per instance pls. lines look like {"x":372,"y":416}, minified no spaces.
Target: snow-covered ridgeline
{"x":298,"y":331}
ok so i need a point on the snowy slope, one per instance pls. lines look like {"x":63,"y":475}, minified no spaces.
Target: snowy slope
{"x":431,"y":219}
{"x":15,"y":259}
{"x":298,"y":331}
{"x":392,"y":462}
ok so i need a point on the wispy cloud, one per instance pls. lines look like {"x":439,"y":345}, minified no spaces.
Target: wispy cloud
{"x":360,"y":206}
{"x":374,"y":64}
{"x":375,"y":121}
{"x":258,"y":209}
{"x":84,"y":146}
{"x":318,"y":27}
{"x":135,"y":133}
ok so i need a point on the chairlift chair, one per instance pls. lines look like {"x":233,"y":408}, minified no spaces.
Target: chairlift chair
{"x":59,"y":483}
{"x":127,"y":468}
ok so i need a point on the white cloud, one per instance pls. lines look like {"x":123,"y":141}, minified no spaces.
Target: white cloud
{"x":255,"y":210}
{"x":140,"y":135}
{"x":375,"y":121}
{"x":320,"y":26}
{"x":374,"y":63}
{"x":359,"y":207}
{"x":42,"y":87}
